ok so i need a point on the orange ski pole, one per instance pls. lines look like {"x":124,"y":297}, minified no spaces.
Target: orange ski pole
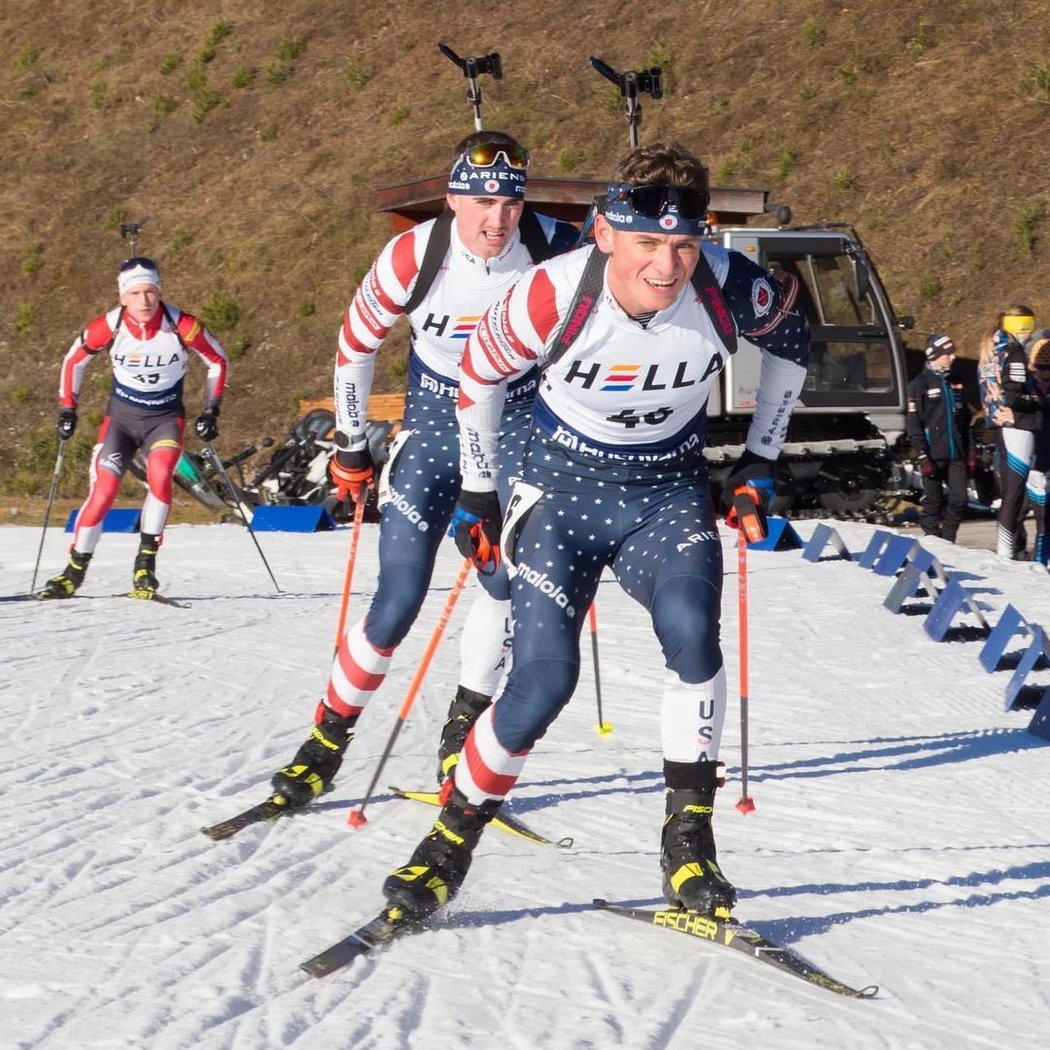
{"x":357,"y":817}
{"x":355,"y":535}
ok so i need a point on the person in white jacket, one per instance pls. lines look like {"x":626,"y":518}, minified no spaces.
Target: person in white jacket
{"x":485,"y":240}
{"x":630,"y":336}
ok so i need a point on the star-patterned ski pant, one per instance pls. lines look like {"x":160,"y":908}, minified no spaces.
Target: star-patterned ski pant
{"x":424,"y":484}
{"x":661,"y":542}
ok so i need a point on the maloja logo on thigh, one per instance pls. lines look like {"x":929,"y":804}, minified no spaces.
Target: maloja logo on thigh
{"x":545,"y":586}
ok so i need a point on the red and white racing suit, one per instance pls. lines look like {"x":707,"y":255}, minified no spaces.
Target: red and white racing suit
{"x":145,"y":408}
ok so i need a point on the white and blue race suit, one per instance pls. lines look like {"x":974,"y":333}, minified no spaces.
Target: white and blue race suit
{"x":614,"y":476}
{"x":421,"y":481}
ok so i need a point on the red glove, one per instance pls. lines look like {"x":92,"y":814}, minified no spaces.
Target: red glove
{"x":926,"y":466}
{"x":971,"y":460}
{"x":476,"y":525}
{"x":351,"y":473}
{"x":748,"y":512}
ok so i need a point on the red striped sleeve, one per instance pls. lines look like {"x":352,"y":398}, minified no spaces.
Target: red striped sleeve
{"x":366,"y":315}
{"x":403,"y":259}
{"x":492,"y":347}
{"x":542,"y":305}
{"x":352,"y":342}
{"x":515,"y":343}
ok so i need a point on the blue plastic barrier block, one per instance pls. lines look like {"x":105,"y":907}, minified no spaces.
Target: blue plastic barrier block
{"x":948,"y":603}
{"x":1010,"y":623}
{"x":125,"y":519}
{"x":1038,"y":650}
{"x":823,"y":536}
{"x":925,"y":562}
{"x":875,"y":547}
{"x":1040,"y":724}
{"x":894,"y":554}
{"x":780,"y":537}
{"x":908,"y":584}
{"x":312,"y":517}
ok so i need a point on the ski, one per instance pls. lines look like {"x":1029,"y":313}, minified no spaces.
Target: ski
{"x":264,"y":811}
{"x":47,"y":596}
{"x":733,"y":934}
{"x":150,"y":596}
{"x":504,"y":821}
{"x":379,"y":932}
{"x":153,"y":596}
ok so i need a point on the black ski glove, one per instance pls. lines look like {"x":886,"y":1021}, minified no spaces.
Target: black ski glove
{"x":748,"y":495}
{"x":67,"y":423}
{"x":476,"y":525}
{"x":207,"y":425}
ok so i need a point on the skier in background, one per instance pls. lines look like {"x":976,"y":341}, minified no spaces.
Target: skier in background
{"x":491,"y":240}
{"x":149,"y":344}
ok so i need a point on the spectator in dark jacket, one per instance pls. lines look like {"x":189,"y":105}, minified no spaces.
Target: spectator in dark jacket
{"x":938,"y":427}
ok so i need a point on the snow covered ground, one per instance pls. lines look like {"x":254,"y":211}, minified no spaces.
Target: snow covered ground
{"x":901,"y":834}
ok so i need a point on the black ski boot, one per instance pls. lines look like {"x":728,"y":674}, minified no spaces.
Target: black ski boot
{"x":317,"y":761}
{"x":144,"y":576}
{"x":65,"y":584}
{"x":692,"y":877}
{"x":440,"y":863}
{"x":463,"y":712}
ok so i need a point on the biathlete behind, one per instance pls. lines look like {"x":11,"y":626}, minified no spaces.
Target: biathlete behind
{"x":149,"y":343}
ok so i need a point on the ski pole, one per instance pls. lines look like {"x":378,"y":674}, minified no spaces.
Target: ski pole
{"x":50,"y":503}
{"x":603,"y":727}
{"x":746,"y":804}
{"x":359,"y":517}
{"x":357,"y":818}
{"x":245,"y":512}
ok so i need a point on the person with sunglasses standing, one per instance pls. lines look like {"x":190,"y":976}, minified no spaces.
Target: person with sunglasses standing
{"x":1017,"y":417}
{"x":938,"y":428}
{"x":442,"y":274}
{"x":149,"y":343}
{"x":630,"y":335}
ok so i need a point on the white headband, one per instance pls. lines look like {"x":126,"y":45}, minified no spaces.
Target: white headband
{"x":127,"y":279}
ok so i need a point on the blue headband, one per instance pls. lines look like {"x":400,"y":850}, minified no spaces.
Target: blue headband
{"x":497,"y":179}
{"x":660,"y":214}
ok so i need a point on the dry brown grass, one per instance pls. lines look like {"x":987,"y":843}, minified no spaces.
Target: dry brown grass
{"x":913,"y":121}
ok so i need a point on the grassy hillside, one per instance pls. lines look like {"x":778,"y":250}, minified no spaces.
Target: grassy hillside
{"x":251,"y":137}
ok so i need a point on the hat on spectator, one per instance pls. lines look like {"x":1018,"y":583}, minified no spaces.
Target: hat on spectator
{"x":937,"y":345}
{"x":1039,"y":354}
